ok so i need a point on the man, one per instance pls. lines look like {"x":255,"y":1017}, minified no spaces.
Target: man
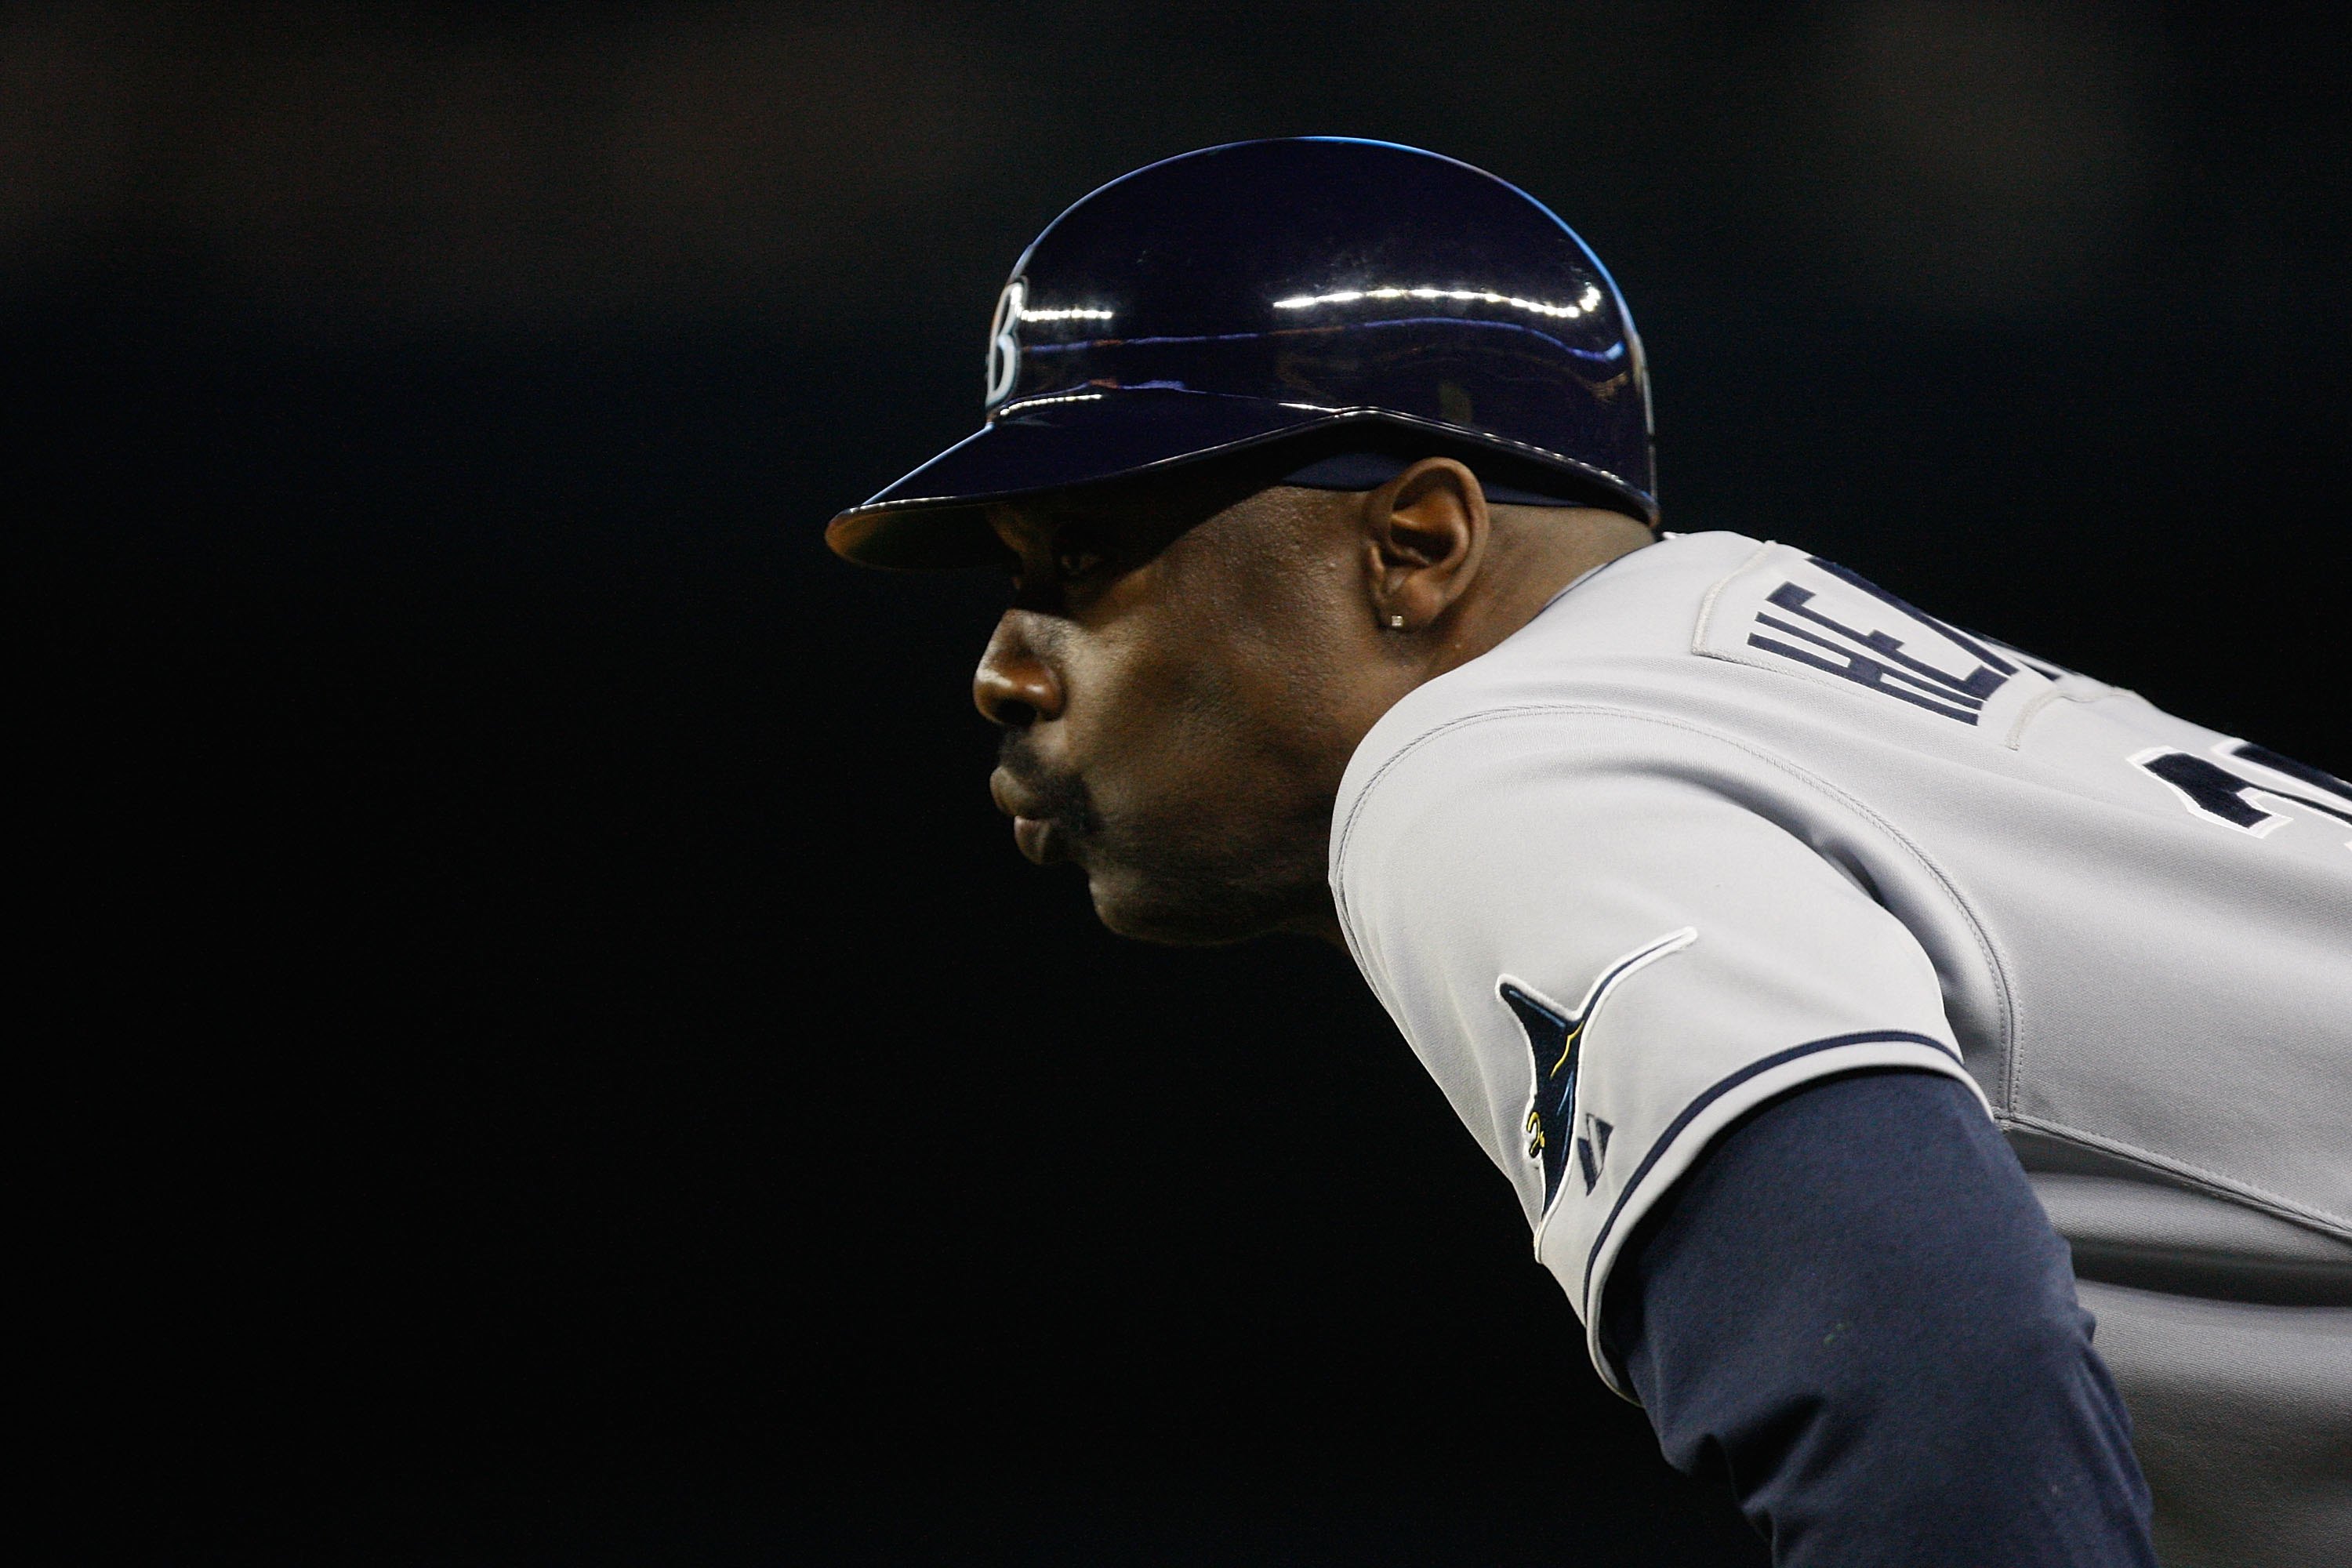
{"x":1758,"y":924}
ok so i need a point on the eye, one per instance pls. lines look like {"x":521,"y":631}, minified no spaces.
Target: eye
{"x":1074,"y":560}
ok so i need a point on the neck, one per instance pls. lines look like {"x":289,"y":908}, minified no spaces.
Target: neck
{"x":1534,"y":552}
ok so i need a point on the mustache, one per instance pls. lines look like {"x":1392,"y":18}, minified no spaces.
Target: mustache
{"x":1048,"y":796}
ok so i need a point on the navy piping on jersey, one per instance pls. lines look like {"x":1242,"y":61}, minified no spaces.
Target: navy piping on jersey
{"x":1715,"y":1091}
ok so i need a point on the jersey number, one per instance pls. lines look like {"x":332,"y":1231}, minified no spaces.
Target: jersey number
{"x":2219,"y":795}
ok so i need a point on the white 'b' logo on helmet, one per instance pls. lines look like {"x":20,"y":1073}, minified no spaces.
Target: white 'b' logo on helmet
{"x":1005,"y":341}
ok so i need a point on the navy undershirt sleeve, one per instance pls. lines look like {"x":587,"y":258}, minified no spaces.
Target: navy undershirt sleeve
{"x":1854,"y":1313}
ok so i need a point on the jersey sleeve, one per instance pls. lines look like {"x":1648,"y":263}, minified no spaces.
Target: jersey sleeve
{"x":1606,"y":949}
{"x":1855,"y":1312}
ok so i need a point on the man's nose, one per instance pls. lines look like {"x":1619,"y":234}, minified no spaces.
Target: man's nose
{"x":1013,"y":685}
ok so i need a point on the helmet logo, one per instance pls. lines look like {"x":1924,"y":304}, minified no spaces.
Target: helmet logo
{"x":1004,"y":342}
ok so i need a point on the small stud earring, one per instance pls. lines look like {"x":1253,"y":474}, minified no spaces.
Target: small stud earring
{"x":1396,"y":623}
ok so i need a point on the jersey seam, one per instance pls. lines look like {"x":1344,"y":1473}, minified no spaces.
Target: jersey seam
{"x":1706,"y":604}
{"x":2034,"y":707}
{"x":2221,"y":1182}
{"x":2009,"y":1029}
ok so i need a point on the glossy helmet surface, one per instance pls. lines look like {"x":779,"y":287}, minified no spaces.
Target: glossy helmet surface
{"x":1261,"y":291}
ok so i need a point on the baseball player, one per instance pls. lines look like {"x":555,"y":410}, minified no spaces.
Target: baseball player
{"x":1809,"y":965}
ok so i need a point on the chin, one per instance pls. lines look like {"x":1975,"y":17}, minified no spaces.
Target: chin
{"x":1180,"y":915}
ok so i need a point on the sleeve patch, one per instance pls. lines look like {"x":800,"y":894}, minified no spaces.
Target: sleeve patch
{"x":1555,"y":1035}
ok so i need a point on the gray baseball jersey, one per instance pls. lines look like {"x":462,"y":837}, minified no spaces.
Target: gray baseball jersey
{"x":1726,"y":818}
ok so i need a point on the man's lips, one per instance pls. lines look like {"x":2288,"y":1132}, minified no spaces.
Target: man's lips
{"x":1034,"y":822}
{"x":1034,"y":837}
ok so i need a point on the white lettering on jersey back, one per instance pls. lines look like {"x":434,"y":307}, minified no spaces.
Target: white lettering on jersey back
{"x":1784,"y":610}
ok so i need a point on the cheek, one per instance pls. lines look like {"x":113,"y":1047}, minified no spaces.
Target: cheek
{"x":1285,"y":673}
{"x":1211,"y":695}
{"x":1151,"y":718}
{"x":1211,"y":734}
{"x":1166,"y":704}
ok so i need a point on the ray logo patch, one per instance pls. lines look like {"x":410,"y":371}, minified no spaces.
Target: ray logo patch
{"x":1555,"y":1041}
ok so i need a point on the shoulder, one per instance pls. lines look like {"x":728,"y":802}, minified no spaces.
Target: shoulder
{"x":1599,"y":683}
{"x":1609,"y":633}
{"x":1750,"y":651}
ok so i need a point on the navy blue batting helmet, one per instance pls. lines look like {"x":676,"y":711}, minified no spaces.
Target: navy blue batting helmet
{"x":1354,"y":292}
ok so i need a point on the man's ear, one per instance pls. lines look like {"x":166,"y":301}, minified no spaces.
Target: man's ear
{"x":1425,"y":535}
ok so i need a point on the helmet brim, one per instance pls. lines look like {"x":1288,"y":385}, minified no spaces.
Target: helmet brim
{"x":936,"y":516}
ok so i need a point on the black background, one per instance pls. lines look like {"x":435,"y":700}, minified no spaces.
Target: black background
{"x":538,"y":1047}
